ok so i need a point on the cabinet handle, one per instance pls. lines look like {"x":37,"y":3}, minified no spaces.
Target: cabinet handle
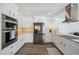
{"x":13,"y":14}
{"x":61,"y":43}
{"x":64,"y":45}
{"x":11,"y":53}
{"x":9,"y":12}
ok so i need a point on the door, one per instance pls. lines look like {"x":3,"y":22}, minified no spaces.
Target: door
{"x":38,"y":33}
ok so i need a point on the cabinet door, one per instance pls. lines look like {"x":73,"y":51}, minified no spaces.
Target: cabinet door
{"x":53,"y":38}
{"x":27,"y":22}
{"x":71,"y":48}
{"x":74,"y":47}
{"x":20,"y":22}
{"x":60,"y":43}
{"x":13,"y":48}
{"x":8,"y":50}
{"x":4,"y":8}
{"x":9,"y":9}
{"x":66,"y":46}
{"x":48,"y":37}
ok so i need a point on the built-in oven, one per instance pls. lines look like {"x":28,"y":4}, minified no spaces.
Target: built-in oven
{"x":9,"y":31}
{"x":9,"y":25}
{"x":8,"y":37}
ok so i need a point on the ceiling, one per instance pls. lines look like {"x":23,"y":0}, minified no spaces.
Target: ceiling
{"x":37,"y":9}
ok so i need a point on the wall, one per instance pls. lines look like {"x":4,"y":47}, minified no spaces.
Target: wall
{"x":26,"y":28}
{"x":28,"y":25}
{"x":69,"y":27}
{"x":57,"y":20}
{"x":42,"y":19}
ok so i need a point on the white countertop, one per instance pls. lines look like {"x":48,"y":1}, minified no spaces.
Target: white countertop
{"x":76,"y":40}
{"x":67,"y":34}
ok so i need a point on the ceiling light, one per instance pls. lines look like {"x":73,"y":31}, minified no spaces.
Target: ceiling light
{"x":29,"y":13}
{"x":49,"y":13}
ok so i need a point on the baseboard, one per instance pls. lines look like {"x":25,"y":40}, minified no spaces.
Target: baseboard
{"x":48,"y":42}
{"x":28,"y":43}
{"x":33,"y":42}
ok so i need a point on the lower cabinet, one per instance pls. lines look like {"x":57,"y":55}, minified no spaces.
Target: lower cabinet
{"x":66,"y":46}
{"x":71,"y":48}
{"x":13,"y":48}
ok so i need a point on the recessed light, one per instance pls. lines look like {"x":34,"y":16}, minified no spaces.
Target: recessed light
{"x":49,"y":13}
{"x":29,"y":13}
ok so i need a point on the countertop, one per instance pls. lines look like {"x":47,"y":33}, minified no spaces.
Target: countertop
{"x":69,"y":37}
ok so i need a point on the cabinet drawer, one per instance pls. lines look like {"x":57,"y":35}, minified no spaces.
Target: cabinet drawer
{"x":9,"y":50}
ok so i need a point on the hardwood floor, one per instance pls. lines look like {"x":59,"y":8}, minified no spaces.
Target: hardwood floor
{"x":34,"y":49}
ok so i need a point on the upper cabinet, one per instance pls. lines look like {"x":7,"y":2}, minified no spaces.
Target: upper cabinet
{"x":71,"y":12}
{"x":9,"y":9}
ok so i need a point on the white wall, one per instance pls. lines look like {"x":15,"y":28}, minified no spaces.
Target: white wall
{"x":28,"y":23}
{"x":42,"y":19}
{"x":64,"y":27}
{"x":69,"y":27}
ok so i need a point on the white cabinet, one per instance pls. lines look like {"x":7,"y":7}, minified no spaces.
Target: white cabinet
{"x":47,"y":37}
{"x":9,"y":9}
{"x":9,"y":50}
{"x":66,"y":46}
{"x":13,"y":48}
{"x":24,"y":24}
{"x":71,"y":47}
{"x":27,"y":22}
{"x":59,"y":42}
{"x":20,"y":20}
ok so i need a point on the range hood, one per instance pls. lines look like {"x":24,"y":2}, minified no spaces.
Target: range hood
{"x":71,"y":13}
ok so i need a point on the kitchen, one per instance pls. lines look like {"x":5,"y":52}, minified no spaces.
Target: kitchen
{"x":38,"y":24}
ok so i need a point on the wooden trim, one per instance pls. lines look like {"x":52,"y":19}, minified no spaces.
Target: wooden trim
{"x":29,"y":43}
{"x":24,"y":30}
{"x":48,"y":42}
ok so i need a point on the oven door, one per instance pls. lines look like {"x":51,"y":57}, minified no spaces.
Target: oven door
{"x":8,"y":37}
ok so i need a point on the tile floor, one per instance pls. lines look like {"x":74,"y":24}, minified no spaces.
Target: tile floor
{"x":36,"y":49}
